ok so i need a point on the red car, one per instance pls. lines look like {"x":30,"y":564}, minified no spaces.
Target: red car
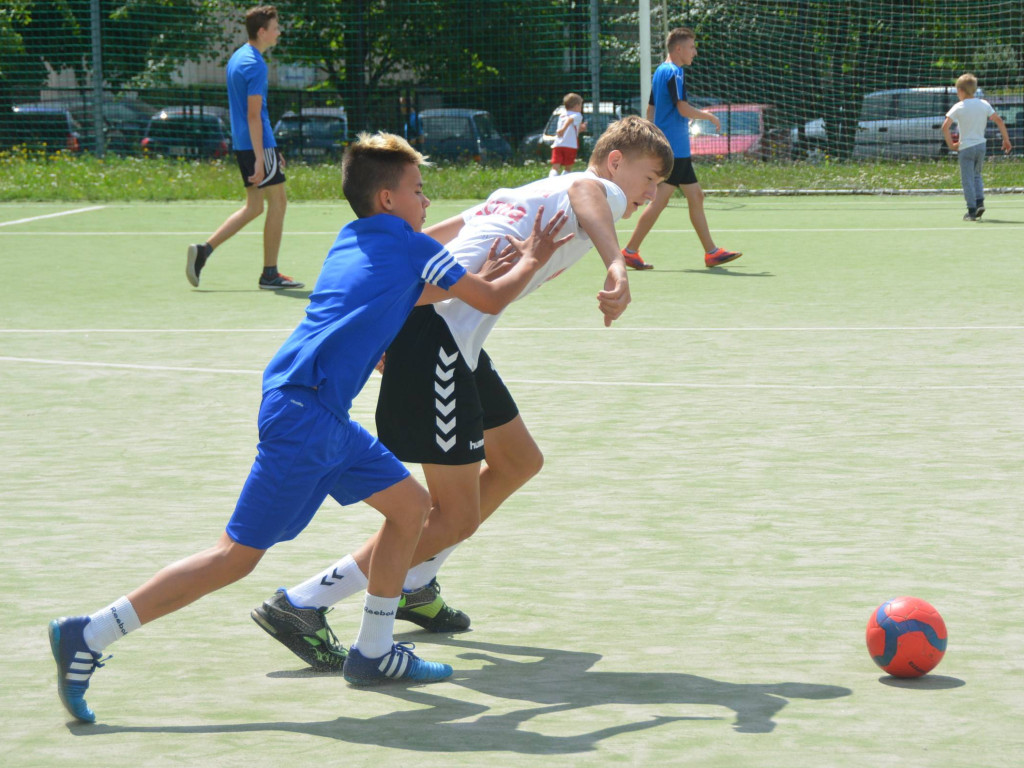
{"x":748,"y":130}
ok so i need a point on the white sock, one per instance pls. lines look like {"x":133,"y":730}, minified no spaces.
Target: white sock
{"x":421,"y":575}
{"x":112,"y":623}
{"x":552,"y":172}
{"x":341,"y":580}
{"x":377,"y":630}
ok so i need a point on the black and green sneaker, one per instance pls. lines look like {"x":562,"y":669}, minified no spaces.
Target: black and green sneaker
{"x":303,"y":631}
{"x":426,"y":608}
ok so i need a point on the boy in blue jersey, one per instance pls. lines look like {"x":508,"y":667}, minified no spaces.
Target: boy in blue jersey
{"x":669,"y":110}
{"x":252,"y":138}
{"x":308,"y":447}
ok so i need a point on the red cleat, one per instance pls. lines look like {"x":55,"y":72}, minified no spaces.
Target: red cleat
{"x":633,"y":260}
{"x":720,"y":256}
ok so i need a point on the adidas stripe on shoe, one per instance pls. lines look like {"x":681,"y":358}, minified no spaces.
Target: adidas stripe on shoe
{"x":399,"y":664}
{"x":75,"y":664}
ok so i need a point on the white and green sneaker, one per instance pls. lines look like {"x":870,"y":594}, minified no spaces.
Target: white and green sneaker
{"x":303,"y":631}
{"x":426,"y":607}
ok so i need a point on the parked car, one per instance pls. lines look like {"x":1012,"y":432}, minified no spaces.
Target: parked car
{"x":537,"y":145}
{"x":904,"y":122}
{"x":1011,"y":109}
{"x":188,"y":132}
{"x":747,"y":130}
{"x":43,"y":128}
{"x":463,"y":134}
{"x":312,"y":133}
{"x":124,"y":124}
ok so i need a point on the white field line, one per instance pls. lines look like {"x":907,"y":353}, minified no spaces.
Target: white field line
{"x":552,"y":329}
{"x":562,"y":382}
{"x":49,"y":216}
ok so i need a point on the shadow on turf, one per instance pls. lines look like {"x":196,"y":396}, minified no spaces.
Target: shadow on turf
{"x":292,"y":293}
{"x":926,"y":683}
{"x":547,"y":681}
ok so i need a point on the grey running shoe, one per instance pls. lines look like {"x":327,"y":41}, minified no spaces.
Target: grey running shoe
{"x":426,"y":607}
{"x":197,"y":256}
{"x":279,"y":281}
{"x":303,"y":631}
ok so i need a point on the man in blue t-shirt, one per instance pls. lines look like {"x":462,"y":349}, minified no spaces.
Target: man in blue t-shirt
{"x":670,"y":110}
{"x":380,"y":266}
{"x":252,"y":138}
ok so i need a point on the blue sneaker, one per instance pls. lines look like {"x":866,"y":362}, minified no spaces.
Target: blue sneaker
{"x":400,"y":664}
{"x":75,"y":664}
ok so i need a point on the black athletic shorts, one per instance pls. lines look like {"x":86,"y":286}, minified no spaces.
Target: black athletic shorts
{"x":271,"y":164}
{"x":682,"y":172}
{"x":432,"y":409}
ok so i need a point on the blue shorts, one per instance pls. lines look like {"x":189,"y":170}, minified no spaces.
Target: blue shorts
{"x":306,"y":453}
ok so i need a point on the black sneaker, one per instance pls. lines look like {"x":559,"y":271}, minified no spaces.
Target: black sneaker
{"x":981,"y":210}
{"x":303,"y":631}
{"x":279,"y":281}
{"x":426,"y":608}
{"x":197,"y":256}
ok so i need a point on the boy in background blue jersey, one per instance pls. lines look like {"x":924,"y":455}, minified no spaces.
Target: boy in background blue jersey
{"x":670,"y":110}
{"x":252,"y":139}
{"x":308,"y":447}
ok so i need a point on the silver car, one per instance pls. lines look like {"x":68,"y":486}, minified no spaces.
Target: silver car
{"x":904,"y":122}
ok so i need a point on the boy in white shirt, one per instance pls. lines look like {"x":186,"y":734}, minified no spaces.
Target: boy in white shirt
{"x":567,"y":137}
{"x":971,"y":115}
{"x":442,"y":403}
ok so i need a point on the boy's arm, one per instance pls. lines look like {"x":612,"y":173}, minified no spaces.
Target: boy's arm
{"x":1001,"y":125}
{"x":590,"y":204}
{"x":946,"y":125}
{"x":563,"y":125}
{"x":254,"y":117}
{"x":493,"y":296}
{"x":686,"y":109}
{"x":445,"y":231}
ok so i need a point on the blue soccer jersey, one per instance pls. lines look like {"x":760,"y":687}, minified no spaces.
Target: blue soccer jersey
{"x":668,"y":88}
{"x":247,"y":76}
{"x":370,"y":281}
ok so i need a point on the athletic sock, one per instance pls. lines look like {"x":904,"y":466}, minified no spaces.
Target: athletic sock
{"x":270,"y":272}
{"x":377,"y":630}
{"x":421,"y":575}
{"x":552,"y":173}
{"x":110,"y":624}
{"x":341,"y":580}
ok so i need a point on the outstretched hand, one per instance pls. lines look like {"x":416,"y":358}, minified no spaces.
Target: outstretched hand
{"x":497,"y":264}
{"x":541,"y":243}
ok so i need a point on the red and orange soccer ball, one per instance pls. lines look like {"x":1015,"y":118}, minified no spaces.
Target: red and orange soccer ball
{"x":906,"y":637}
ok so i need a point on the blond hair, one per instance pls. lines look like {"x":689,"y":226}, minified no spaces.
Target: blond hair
{"x":967,"y":83}
{"x":374,"y":162}
{"x":678,"y":35}
{"x":635,"y":137}
{"x":572,"y":99}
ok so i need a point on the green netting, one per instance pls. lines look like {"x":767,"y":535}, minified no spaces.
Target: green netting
{"x":839,"y":78}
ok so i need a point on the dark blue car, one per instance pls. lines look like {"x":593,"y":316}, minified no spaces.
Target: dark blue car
{"x":462,"y":135}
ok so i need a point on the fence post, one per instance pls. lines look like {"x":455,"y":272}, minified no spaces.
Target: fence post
{"x":595,"y":59}
{"x":97,"y":77}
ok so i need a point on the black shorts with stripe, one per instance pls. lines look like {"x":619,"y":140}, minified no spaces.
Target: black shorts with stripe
{"x":682,"y":172}
{"x":432,"y":409}
{"x":271,"y":165}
